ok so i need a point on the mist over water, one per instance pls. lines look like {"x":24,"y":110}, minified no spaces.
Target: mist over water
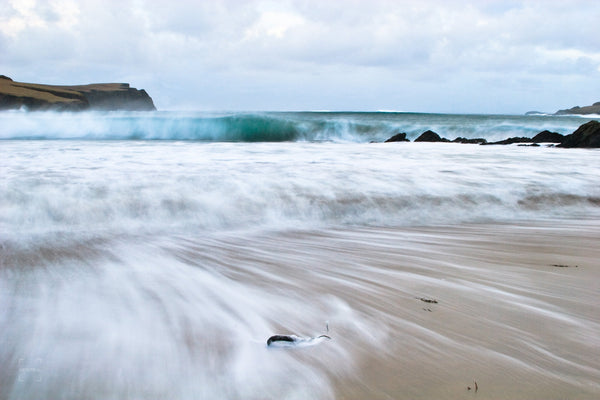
{"x":147,"y":269}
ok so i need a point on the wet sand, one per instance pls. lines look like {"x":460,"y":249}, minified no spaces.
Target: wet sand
{"x":507,"y":316}
{"x":517,"y":312}
{"x":414,"y":313}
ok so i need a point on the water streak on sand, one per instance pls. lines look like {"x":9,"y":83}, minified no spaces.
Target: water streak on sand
{"x":188,"y":317}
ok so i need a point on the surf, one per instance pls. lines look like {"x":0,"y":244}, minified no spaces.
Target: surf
{"x":345,"y":127}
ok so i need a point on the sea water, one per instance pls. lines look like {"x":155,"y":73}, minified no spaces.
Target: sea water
{"x":355,"y":127}
{"x":151,"y":255}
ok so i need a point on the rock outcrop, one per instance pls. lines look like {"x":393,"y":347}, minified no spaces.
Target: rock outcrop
{"x":400,"y":137}
{"x":469,"y":141}
{"x":430,"y":136}
{"x":587,"y":135}
{"x":548,"y":137}
{"x":512,"y":140}
{"x":99,"y":96}
{"x":593,"y":109}
{"x":542,"y":137}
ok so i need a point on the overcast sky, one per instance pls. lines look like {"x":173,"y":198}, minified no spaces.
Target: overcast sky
{"x":429,"y":56}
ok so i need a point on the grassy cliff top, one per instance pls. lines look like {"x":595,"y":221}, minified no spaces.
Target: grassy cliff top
{"x":40,"y":96}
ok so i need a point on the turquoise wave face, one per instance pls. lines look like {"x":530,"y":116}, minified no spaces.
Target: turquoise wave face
{"x":273,"y":127}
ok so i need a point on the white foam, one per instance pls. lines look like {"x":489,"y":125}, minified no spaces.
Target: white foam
{"x":154,"y":187}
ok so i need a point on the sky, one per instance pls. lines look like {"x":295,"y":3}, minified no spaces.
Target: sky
{"x":353,"y":55}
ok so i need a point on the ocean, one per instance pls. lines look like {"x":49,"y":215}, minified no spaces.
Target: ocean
{"x":151,"y":256}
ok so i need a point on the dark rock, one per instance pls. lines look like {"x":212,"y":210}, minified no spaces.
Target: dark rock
{"x":400,"y":137}
{"x":587,"y":135}
{"x":512,"y":140}
{"x":5,"y":77}
{"x":471,"y":141}
{"x":529,"y":145}
{"x":548,"y":137}
{"x":430,"y":136}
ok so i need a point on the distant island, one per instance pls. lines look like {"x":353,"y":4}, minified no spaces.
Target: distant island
{"x":92,"y":97}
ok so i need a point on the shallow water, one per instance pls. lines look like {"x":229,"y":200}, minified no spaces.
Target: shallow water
{"x":142,"y":270}
{"x":89,"y":188}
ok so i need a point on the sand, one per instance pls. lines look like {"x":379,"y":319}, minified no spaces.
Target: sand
{"x":507,"y":311}
{"x":517,"y":312}
{"x":486,"y":311}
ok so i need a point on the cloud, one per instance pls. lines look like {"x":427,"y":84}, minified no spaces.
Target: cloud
{"x":317,"y":54}
{"x":22,"y":15}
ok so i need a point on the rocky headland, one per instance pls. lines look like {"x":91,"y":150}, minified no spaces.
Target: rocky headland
{"x":586,"y":136}
{"x":593,"y":109}
{"x":585,"y":110}
{"x":92,"y":97}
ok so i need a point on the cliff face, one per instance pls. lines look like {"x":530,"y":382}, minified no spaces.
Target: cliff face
{"x":100,"y":96}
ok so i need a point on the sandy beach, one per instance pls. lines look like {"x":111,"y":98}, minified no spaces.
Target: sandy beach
{"x":148,"y":270}
{"x":517,"y":313}
{"x":299,"y":200}
{"x":492,"y":311}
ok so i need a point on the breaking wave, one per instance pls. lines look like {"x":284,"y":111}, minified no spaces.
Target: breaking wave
{"x":271,"y":127}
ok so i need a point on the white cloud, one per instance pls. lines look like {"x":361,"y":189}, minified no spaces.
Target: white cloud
{"x":20,"y":16}
{"x":66,"y":12}
{"x":273,"y":23}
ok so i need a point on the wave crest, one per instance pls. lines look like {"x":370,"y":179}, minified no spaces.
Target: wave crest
{"x":271,"y":127}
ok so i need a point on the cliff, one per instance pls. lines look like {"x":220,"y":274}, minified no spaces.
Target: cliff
{"x":98,"y":96}
{"x":593,"y":109}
